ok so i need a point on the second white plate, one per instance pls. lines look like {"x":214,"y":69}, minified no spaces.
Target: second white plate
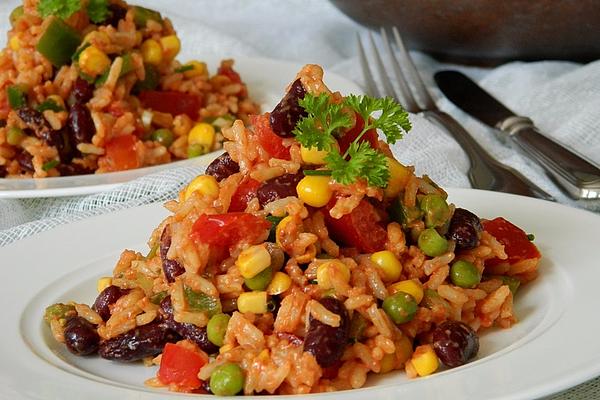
{"x":266,"y":80}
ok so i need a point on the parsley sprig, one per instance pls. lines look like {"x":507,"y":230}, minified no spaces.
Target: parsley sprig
{"x":326,"y":121}
{"x":97,"y":9}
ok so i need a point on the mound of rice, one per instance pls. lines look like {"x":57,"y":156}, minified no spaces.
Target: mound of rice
{"x":94,"y":93}
{"x":244,"y":275}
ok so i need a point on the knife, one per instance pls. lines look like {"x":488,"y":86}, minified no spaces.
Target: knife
{"x":578,"y":176}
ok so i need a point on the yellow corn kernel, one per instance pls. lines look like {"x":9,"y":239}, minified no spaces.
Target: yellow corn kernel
{"x":399,"y":176}
{"x":103,"y":283}
{"x":253,"y":261}
{"x":93,"y":61}
{"x":152,"y":53}
{"x":313,"y":155}
{"x":263,"y":355}
{"x":198,"y":69}
{"x":404,"y":349}
{"x":202,"y":134}
{"x":170,"y":46}
{"x":327,"y":269}
{"x":253,"y":302}
{"x":410,"y":286}
{"x":57,"y":100}
{"x":14,"y":43}
{"x":389,"y":265}
{"x":207,"y":185}
{"x":314,"y":190}
{"x":279,"y":284}
{"x":424,"y":360}
{"x":387,"y":363}
{"x":138,"y":37}
{"x":280,"y":228}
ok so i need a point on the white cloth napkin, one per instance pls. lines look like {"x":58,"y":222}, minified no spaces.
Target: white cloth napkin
{"x":562,"y":98}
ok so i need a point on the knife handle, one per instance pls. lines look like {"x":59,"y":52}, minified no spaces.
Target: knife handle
{"x":579,"y":176}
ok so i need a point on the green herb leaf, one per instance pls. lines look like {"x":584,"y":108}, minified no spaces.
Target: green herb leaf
{"x":184,"y":68}
{"x":61,"y":8}
{"x":364,"y":162}
{"x":98,"y":10}
{"x":393,"y":120}
{"x":198,"y":301}
{"x":317,"y":172}
{"x":324,"y":120}
{"x":49,"y":105}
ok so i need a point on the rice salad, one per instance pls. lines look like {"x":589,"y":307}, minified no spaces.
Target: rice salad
{"x":93,"y":86}
{"x":305,"y":259}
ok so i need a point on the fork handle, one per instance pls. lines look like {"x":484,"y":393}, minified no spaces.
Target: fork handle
{"x":486,"y":172}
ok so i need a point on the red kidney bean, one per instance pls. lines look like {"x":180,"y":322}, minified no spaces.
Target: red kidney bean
{"x":106,"y":298}
{"x":35,"y":121}
{"x":3,"y":171}
{"x":143,"y":341}
{"x":278,"y":188}
{"x":73,"y":169}
{"x":187,"y":331}
{"x":325,"y":342}
{"x":455,"y":343}
{"x":25,"y":161}
{"x":81,"y":124}
{"x":288,"y":112}
{"x":222,"y":167}
{"x":171,"y":268}
{"x":116,"y":13}
{"x":465,"y":229}
{"x":83,"y":91}
{"x":81,"y":337}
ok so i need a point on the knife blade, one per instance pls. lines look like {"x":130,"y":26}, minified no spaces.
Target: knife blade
{"x":575,"y":174}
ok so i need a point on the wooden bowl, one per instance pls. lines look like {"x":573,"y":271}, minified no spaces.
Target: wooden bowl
{"x":488,"y":31}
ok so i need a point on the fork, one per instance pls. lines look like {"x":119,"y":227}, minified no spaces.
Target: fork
{"x":485,"y":172}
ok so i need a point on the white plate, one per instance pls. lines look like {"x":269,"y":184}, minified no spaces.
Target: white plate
{"x":554,"y":345}
{"x":266,"y":80}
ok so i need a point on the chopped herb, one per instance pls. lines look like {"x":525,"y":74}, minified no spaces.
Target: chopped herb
{"x":61,"y":8}
{"x":49,"y":105}
{"x":317,"y":172}
{"x":98,"y":10}
{"x":531,"y":237}
{"x":312,"y":281}
{"x":16,"y":96}
{"x":158,"y":297}
{"x":184,"y":68}
{"x":326,"y":121}
{"x":198,"y":301}
{"x":49,"y":165}
{"x":274,"y":222}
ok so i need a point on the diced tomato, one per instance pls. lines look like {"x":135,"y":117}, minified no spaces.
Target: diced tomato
{"x":361,"y":228}
{"x":268,"y":139}
{"x":121,"y":153}
{"x":171,"y":102}
{"x":349,"y":137}
{"x":180,"y":366}
{"x":226,"y":230}
{"x":230,"y":73}
{"x":516,"y":243}
{"x":245,"y":192}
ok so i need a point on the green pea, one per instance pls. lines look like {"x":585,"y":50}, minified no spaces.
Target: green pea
{"x":401,"y":307}
{"x":162,"y":136}
{"x":432,"y":243}
{"x":261,"y":280}
{"x":435,"y":210}
{"x":14,"y":135}
{"x":59,"y":311}
{"x":464,"y":274}
{"x":16,"y":14}
{"x":227,"y":380}
{"x":196,"y":150}
{"x":216,"y":328}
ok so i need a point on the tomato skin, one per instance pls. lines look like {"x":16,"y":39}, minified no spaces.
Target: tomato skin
{"x":245,"y":192}
{"x":121,"y":154}
{"x":171,"y":102}
{"x":516,"y":244}
{"x":230,"y":73}
{"x":269,"y":140}
{"x":226,"y":230}
{"x":369,"y":136}
{"x":180,"y":366}
{"x":361,"y":228}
